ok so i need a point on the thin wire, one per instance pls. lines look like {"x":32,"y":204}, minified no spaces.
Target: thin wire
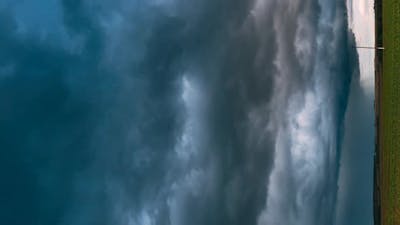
{"x":367,"y":47}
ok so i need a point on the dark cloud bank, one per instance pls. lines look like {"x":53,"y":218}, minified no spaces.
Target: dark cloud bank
{"x":173,"y":112}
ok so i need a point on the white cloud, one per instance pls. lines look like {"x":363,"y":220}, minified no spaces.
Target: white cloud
{"x":188,"y":146}
{"x":302,"y":185}
{"x":362,"y":23}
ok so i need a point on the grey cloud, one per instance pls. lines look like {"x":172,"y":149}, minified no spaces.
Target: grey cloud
{"x":105,"y":121}
{"x":43,"y":123}
{"x":222,"y":61}
{"x":313,"y":122}
{"x":355,"y":185}
{"x":355,"y":203}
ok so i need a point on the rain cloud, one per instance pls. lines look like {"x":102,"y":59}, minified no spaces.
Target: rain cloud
{"x":173,"y":112}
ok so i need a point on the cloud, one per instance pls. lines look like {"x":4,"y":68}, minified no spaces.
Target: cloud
{"x":355,"y":184}
{"x":46,"y":123}
{"x":175,"y":112}
{"x":302,"y":186}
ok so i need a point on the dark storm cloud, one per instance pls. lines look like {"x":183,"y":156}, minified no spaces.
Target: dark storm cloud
{"x":355,"y":185}
{"x":43,"y":124}
{"x":355,"y":199}
{"x":168,"y":112}
{"x":217,"y":53}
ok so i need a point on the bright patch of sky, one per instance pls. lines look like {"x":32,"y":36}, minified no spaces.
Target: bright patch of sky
{"x":362,"y":22}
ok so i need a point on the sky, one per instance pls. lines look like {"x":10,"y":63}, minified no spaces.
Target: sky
{"x":153,"y":112}
{"x":355,"y":204}
{"x":361,"y":21}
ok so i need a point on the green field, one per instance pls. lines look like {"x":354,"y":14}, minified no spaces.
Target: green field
{"x":389,"y":115}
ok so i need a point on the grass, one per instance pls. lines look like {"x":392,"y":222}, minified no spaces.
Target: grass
{"x":389,"y":130}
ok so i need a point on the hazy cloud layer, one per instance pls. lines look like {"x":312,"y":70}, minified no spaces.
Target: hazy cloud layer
{"x":356,"y":176}
{"x":173,"y":112}
{"x":356,"y":172}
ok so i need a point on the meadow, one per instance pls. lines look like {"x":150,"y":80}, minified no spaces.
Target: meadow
{"x":389,"y":116}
